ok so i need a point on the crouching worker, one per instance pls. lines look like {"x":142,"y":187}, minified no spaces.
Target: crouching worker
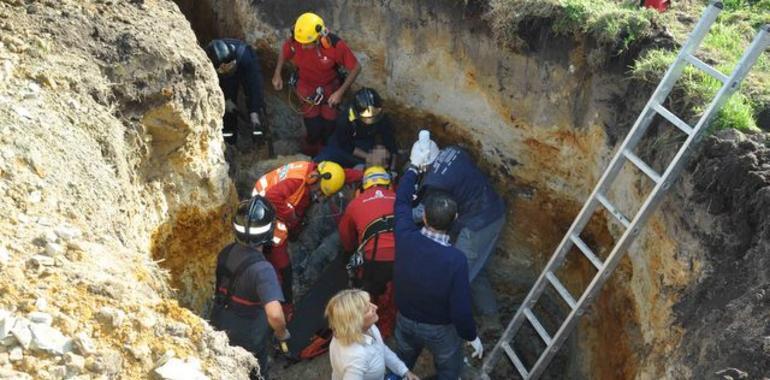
{"x":364,"y":134}
{"x":366,"y":230}
{"x":290,"y":189}
{"x":431,"y":284}
{"x":357,"y":350}
{"x":247,"y":302}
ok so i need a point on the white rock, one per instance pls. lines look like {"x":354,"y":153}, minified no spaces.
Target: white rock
{"x":57,"y":372}
{"x":5,"y":257}
{"x":176,"y":369}
{"x":75,"y":363}
{"x":7,"y":321}
{"x":42,"y":261}
{"x":48,"y":339}
{"x":16,"y":354}
{"x":8,"y":373}
{"x":35,"y":197}
{"x":23,"y":112}
{"x":50,"y":237}
{"x":40,"y":318}
{"x":84,"y":345}
{"x":41,"y":304}
{"x":115,"y":317}
{"x":21,"y":332}
{"x":67,"y":233}
{"x":53,"y":249}
{"x":4,"y":359}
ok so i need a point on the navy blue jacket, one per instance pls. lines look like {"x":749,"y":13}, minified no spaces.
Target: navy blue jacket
{"x":455,"y":172}
{"x":247,"y":73}
{"x":430,"y":280}
{"x":355,"y":134}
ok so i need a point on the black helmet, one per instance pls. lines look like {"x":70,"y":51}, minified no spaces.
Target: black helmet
{"x":253,"y":222}
{"x":367,"y":105}
{"x":220,"y":52}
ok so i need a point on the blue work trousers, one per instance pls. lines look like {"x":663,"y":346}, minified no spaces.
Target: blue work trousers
{"x":478,"y":247}
{"x":441,"y":340}
{"x":251,"y":333}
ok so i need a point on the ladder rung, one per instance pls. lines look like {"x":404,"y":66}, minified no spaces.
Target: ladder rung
{"x":563,"y":292}
{"x":706,"y":68}
{"x":515,"y":360}
{"x":642,"y":165}
{"x":614,"y":211}
{"x":679,"y":123}
{"x":587,"y":251}
{"x":538,"y":326}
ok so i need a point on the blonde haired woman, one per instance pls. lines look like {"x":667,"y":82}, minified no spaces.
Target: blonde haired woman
{"x":357,"y":351}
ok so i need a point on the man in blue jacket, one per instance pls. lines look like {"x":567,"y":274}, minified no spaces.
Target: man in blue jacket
{"x":431,"y":284}
{"x":237,"y":65}
{"x":479,"y":223}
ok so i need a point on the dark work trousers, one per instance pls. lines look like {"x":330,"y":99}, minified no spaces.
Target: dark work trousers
{"x":251,"y":333}
{"x":318,"y":131}
{"x":376,"y":275}
{"x":230,"y":127}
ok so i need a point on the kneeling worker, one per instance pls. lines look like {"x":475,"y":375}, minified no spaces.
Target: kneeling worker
{"x":290,"y":189}
{"x":247,"y":294}
{"x":366,"y":229}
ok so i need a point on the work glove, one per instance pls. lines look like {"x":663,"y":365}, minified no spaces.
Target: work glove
{"x":478,"y":348}
{"x":230,"y":106}
{"x":281,"y":342}
{"x":254,"y":118}
{"x":424,"y":151}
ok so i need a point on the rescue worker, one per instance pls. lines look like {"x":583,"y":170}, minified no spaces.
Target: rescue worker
{"x":431,"y":284}
{"x":237,"y":65}
{"x":362,"y":128}
{"x":290,"y":189}
{"x":317,"y":54}
{"x":366,"y":230}
{"x":247,"y":303}
{"x":480,"y":220}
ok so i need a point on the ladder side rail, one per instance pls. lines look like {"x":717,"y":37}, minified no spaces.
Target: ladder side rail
{"x":637,"y":131}
{"x":757,"y":47}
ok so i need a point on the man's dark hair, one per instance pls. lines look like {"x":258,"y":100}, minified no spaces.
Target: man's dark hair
{"x":440,"y":210}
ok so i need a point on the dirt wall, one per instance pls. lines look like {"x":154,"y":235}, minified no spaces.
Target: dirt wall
{"x":110,"y":142}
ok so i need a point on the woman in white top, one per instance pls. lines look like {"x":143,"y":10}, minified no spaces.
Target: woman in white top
{"x":357,"y":351}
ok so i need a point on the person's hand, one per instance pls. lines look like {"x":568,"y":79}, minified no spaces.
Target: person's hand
{"x":281,"y":344}
{"x":335,"y":98}
{"x":254,"y":118}
{"x":283,"y":337}
{"x":230,"y":106}
{"x":411,"y":376}
{"x":277,"y":82}
{"x":478,"y":348}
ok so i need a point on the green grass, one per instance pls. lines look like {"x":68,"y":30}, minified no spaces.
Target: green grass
{"x":722,"y":48}
{"x":617,"y":25}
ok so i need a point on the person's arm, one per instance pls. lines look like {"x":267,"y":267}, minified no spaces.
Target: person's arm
{"x":460,"y":302}
{"x":393,"y":363}
{"x":403,"y":206}
{"x":279,"y":194}
{"x":276,"y":319}
{"x":283,"y":55}
{"x":254,"y":83}
{"x":353,"y":175}
{"x":350,"y":62}
{"x":347,"y":229}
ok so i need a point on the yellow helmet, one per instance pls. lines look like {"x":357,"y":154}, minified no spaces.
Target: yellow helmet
{"x":376,"y":175}
{"x":332,"y":177}
{"x":308,"y":27}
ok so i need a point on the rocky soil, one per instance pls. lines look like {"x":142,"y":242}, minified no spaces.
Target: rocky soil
{"x":109,"y":138}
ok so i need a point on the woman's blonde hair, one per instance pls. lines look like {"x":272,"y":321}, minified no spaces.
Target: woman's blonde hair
{"x":345,"y":312}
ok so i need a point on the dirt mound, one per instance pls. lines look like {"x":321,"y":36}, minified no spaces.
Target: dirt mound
{"x":726,"y":310}
{"x":109,"y":137}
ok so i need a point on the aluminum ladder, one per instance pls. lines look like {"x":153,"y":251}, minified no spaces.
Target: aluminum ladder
{"x":663,"y":182}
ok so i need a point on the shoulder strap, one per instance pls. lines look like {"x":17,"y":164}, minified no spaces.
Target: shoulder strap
{"x":374,"y":229}
{"x":222,"y":269}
